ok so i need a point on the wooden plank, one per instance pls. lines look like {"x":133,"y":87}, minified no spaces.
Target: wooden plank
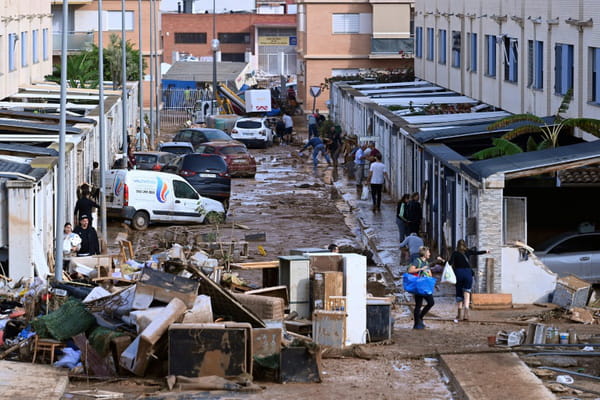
{"x":256,"y":265}
{"x":480,"y":299}
{"x":20,"y":380}
{"x":91,"y":359}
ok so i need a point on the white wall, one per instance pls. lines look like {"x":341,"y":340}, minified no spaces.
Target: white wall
{"x":528,"y":281}
{"x":543,"y":20}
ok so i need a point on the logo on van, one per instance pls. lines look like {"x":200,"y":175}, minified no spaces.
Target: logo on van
{"x":162,"y":190}
{"x":118,"y":186}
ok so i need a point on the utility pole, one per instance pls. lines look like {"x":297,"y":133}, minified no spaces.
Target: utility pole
{"x":141,"y":76}
{"x":124,"y":82}
{"x":62,"y":131}
{"x":103,"y":166}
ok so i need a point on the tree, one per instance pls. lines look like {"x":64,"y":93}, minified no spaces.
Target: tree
{"x":550,"y":132}
{"x":82,"y":71}
{"x":82,"y":68}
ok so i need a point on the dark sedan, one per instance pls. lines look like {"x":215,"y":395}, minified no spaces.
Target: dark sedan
{"x":207,"y":173}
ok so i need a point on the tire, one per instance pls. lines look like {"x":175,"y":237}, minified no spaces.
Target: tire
{"x":140,"y":220}
{"x":213,"y":218}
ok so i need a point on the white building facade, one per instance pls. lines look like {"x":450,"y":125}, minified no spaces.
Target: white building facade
{"x":519,"y":55}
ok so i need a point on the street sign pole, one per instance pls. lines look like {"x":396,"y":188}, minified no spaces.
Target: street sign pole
{"x":315,"y":91}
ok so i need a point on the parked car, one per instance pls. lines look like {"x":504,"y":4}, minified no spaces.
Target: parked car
{"x":573,"y":253}
{"x":143,"y":197}
{"x":207,"y":173}
{"x":153,"y":160}
{"x":253,"y":132}
{"x":177,"y":148}
{"x":197,"y":136}
{"x":239,"y":160}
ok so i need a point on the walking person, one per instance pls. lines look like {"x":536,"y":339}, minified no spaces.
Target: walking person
{"x":318,"y":147}
{"x":95,"y":180}
{"x":464,"y":277}
{"x":421,"y":268}
{"x":312,"y":126}
{"x":359,"y":168}
{"x":414,"y":243}
{"x":289,"y":128}
{"x":414,"y":213}
{"x":377,"y":179}
{"x":335,"y":144}
{"x":85,"y":205}
{"x":401,"y":220}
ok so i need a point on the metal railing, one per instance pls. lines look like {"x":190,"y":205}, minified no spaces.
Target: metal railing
{"x":76,"y":41}
{"x":392,"y":46}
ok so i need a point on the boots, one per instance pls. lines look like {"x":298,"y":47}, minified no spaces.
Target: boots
{"x":465,"y":314}
{"x":459,"y":314}
{"x":419,"y":324}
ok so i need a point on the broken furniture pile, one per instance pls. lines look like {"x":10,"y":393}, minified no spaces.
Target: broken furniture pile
{"x":171,"y":315}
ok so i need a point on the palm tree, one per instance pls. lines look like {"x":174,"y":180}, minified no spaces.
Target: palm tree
{"x":550,"y":132}
{"x":81,"y":71}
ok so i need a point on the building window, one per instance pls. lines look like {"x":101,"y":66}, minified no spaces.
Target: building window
{"x":113,"y":20}
{"x":456,"y":49}
{"x":430,"y":41}
{"x":511,"y":60}
{"x":34,"y":46}
{"x":563,"y":68}
{"x":490,"y":55}
{"x":233,"y":57}
{"x":595,"y":56}
{"x":419,"y":42}
{"x":346,"y":23}
{"x":442,"y":40}
{"x":472,"y":39}
{"x":45,"y":53}
{"x":12,"y":44}
{"x":535,"y":65}
{"x":234,"y":38}
{"x":24,"y":59}
{"x":190,"y":37}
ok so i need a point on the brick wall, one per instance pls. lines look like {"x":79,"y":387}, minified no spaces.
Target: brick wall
{"x":226,"y":23}
{"x":490,"y":230}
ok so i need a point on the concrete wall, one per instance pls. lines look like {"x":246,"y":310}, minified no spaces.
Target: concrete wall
{"x":17,"y":17}
{"x":541,"y":20}
{"x":528,"y":281}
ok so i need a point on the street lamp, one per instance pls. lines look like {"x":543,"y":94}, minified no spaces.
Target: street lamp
{"x":214,"y":46}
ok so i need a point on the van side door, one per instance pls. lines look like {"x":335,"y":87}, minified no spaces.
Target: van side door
{"x":186,"y":203}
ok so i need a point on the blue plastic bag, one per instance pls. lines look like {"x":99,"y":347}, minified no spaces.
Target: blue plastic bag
{"x":422,"y":285}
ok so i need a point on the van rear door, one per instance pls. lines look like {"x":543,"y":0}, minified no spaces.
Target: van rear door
{"x":114,"y":187}
{"x":185,"y":204}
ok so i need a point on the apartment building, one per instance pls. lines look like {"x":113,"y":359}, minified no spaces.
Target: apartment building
{"x":337,"y":37}
{"x":25,"y":43}
{"x":83,"y":30}
{"x":519,"y":55}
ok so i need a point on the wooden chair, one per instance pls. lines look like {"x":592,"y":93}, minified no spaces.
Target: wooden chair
{"x":42,"y":344}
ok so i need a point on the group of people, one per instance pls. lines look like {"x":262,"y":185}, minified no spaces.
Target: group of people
{"x":83,"y":239}
{"x":370,"y":170}
{"x":330,"y":146}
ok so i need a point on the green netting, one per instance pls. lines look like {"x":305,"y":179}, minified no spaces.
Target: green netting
{"x":69,"y":320}
{"x":270,"y":362}
{"x":100,"y":338}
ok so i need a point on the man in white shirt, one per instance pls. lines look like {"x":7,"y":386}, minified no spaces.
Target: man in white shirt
{"x":377,"y":178}
{"x":289,"y":127}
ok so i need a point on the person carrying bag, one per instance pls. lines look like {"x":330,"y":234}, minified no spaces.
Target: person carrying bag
{"x":420,"y":283}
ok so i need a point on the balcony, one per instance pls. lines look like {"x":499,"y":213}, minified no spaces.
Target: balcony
{"x":76,"y":41}
{"x":392,"y":48}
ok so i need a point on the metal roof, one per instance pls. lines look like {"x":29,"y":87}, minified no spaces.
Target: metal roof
{"x":535,"y":159}
{"x":27,"y":149}
{"x":424,"y":101}
{"x":45,"y":117}
{"x":403,"y":90}
{"x":198,"y":71}
{"x":390,"y":85}
{"x":455,"y":118}
{"x":11,"y":169}
{"x":13,"y":125}
{"x":466,"y":130}
{"x":446,"y":155}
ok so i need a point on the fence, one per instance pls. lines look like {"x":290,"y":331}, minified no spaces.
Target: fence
{"x":178,"y":105}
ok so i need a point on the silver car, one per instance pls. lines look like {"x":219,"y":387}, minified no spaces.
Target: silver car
{"x":573,"y":253}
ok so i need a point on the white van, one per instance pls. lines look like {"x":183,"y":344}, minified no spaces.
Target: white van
{"x":149,"y":196}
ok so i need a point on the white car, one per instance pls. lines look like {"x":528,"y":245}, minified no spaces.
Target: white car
{"x":253,"y":132}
